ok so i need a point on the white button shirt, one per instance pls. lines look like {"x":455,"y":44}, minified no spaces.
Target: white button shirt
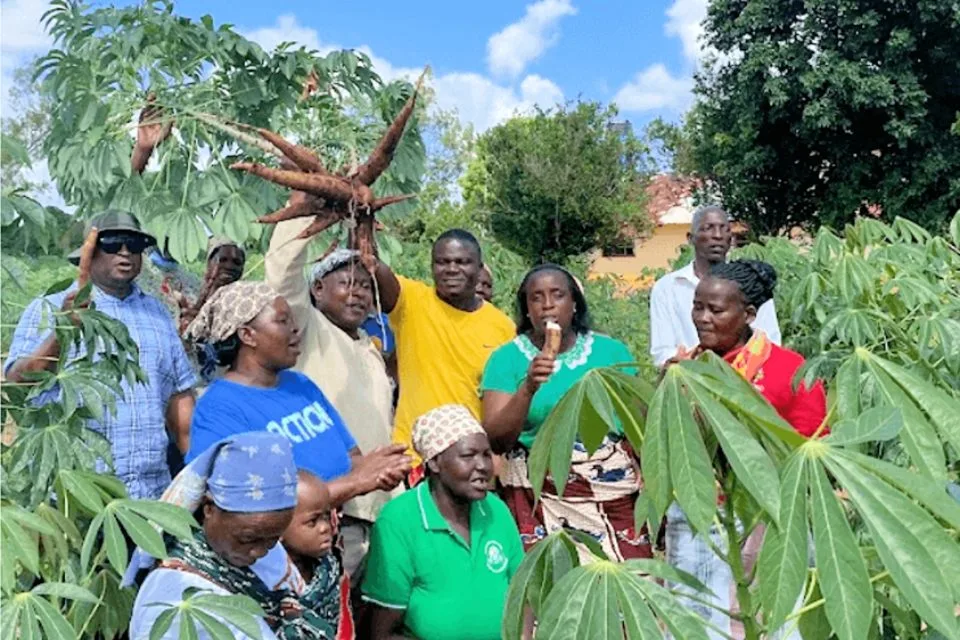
{"x":671,"y":315}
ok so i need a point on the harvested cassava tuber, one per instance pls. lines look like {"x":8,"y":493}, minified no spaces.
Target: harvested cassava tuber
{"x":299,"y":205}
{"x":379,"y":160}
{"x":325,"y":219}
{"x":553,"y":335}
{"x":302,"y":157}
{"x":87,"y":250}
{"x":331,"y":188}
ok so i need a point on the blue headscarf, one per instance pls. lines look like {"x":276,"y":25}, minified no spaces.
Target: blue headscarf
{"x":245,"y":473}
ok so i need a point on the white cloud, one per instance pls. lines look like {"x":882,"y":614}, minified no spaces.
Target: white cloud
{"x":478,"y":99}
{"x":483,"y":103}
{"x":512,"y":49}
{"x":21,"y":36}
{"x":685,"y":21}
{"x":285,"y":29}
{"x":655,"y":88}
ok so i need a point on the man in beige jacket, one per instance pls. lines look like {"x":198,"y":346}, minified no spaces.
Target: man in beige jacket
{"x":338,"y":356}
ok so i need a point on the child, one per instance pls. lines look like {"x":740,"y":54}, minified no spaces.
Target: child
{"x":309,"y":543}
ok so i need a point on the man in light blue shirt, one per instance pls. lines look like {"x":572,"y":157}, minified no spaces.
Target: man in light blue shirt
{"x":138,"y":432}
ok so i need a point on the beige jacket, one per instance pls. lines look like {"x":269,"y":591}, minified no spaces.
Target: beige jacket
{"x":350,"y":372}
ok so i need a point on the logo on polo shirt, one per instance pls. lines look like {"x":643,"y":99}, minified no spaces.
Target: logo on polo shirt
{"x":496,"y":558}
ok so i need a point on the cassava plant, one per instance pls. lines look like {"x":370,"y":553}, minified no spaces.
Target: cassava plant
{"x":867,"y":545}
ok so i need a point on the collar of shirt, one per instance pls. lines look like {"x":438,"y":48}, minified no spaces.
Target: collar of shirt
{"x":687,"y":273}
{"x":433,"y":520}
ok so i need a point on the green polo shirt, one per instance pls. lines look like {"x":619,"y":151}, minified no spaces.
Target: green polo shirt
{"x":450,"y":590}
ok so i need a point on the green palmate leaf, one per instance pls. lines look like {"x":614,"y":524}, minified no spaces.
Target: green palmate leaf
{"x":28,"y":520}
{"x":77,"y":484}
{"x":162,"y":624}
{"x":55,"y":626}
{"x":848,"y":388}
{"x":673,"y":612}
{"x":598,"y":417}
{"x":583,"y":604}
{"x":64,"y":590}
{"x":239,"y":611}
{"x":171,"y":518}
{"x":854,"y":276}
{"x":782,"y":565}
{"x":690,"y":470}
{"x":943,"y":410}
{"x":664,"y":571}
{"x":142,"y":533}
{"x":631,"y":396}
{"x":931,"y":495}
{"x":918,"y":435}
{"x":216,"y":629}
{"x":86,"y":551}
{"x":955,"y":229}
{"x":753,"y":467}
{"x":638,"y":619}
{"x":922,"y":558}
{"x":545,"y":564}
{"x":843,"y":574}
{"x":188,"y":628}
{"x":20,"y":545}
{"x":877,"y":424}
{"x":656,"y":458}
{"x":553,"y":445}
{"x":114,"y":543}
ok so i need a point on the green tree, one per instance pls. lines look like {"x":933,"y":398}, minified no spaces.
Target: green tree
{"x":558,"y":183}
{"x":817,"y":110}
{"x":206,"y":78}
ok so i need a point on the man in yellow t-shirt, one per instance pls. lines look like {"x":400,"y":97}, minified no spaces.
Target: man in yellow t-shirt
{"x":444,"y":333}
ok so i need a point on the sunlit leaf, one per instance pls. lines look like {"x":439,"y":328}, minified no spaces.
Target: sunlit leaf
{"x":880,"y":423}
{"x":690,"y":470}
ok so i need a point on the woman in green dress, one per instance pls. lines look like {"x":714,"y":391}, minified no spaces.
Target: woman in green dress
{"x":521,"y":384}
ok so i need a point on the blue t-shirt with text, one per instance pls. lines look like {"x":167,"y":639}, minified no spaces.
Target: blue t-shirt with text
{"x":296,"y":409}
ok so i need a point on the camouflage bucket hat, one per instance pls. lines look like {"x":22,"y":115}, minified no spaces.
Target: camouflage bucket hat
{"x":112,"y":220}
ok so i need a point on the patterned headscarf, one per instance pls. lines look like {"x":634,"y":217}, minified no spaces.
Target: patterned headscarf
{"x":218,"y":242}
{"x":332,"y":262}
{"x":230,"y":308}
{"x":436,"y":431}
{"x":249,"y":473}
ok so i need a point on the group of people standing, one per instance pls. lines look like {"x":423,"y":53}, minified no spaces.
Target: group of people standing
{"x":352,"y":497}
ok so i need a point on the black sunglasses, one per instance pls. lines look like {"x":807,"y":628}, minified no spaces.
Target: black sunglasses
{"x":134,"y":243}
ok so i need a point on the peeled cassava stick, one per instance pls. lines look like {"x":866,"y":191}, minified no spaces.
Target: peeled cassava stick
{"x":87,"y":250}
{"x":325,"y":219}
{"x":304,"y":158}
{"x":380,"y":159}
{"x":327,"y":187}
{"x":553,"y":334}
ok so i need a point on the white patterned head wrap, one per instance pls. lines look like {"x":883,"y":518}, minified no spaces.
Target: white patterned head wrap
{"x":436,"y":431}
{"x":336,"y":259}
{"x":230,"y":308}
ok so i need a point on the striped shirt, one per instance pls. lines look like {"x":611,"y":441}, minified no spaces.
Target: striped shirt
{"x":137,"y":432}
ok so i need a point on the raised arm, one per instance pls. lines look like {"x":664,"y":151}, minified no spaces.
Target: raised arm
{"x":505,"y":414}
{"x":388,"y":285}
{"x":284,"y":264}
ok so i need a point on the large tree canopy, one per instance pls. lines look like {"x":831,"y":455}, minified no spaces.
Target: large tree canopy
{"x":558,"y":183}
{"x":818,"y":110}
{"x":107,"y":60}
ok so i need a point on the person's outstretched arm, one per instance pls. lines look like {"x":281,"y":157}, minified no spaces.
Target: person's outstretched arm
{"x":388,"y":286}
{"x":284,"y":264}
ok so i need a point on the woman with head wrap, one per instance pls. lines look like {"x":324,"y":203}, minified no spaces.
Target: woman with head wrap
{"x":243,"y":491}
{"x":442,"y":554}
{"x":255,"y":336}
{"x":522,"y":383}
{"x":724,"y":306}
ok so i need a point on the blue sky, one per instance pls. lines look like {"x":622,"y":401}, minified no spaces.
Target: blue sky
{"x":490,"y":59}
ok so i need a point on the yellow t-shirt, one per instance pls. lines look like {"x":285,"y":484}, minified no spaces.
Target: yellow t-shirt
{"x":441,"y":352}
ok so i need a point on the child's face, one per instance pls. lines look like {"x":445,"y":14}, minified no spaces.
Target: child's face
{"x":310,"y":533}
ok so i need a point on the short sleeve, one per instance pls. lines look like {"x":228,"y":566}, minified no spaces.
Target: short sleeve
{"x":214,"y":419}
{"x":390,"y":571}
{"x":502,"y":372}
{"x":513,"y":544}
{"x":349,"y":442}
{"x":183,"y":375}
{"x":411,"y":291}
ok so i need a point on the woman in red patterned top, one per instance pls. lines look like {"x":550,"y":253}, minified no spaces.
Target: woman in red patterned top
{"x":724,"y":305}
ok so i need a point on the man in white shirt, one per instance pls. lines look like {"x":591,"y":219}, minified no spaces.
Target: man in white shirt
{"x":672,"y":329}
{"x":671,"y":301}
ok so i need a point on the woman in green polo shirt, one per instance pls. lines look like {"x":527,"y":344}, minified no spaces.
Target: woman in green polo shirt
{"x":521,"y":385}
{"x":442,"y":555}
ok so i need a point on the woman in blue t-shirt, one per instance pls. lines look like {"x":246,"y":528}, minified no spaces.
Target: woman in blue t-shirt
{"x":254,"y":333}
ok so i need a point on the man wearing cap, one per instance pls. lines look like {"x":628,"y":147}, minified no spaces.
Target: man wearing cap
{"x":138,"y":431}
{"x":338,"y":356}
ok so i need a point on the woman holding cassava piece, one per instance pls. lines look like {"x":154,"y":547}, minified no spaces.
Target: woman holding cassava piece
{"x":522,"y":382}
